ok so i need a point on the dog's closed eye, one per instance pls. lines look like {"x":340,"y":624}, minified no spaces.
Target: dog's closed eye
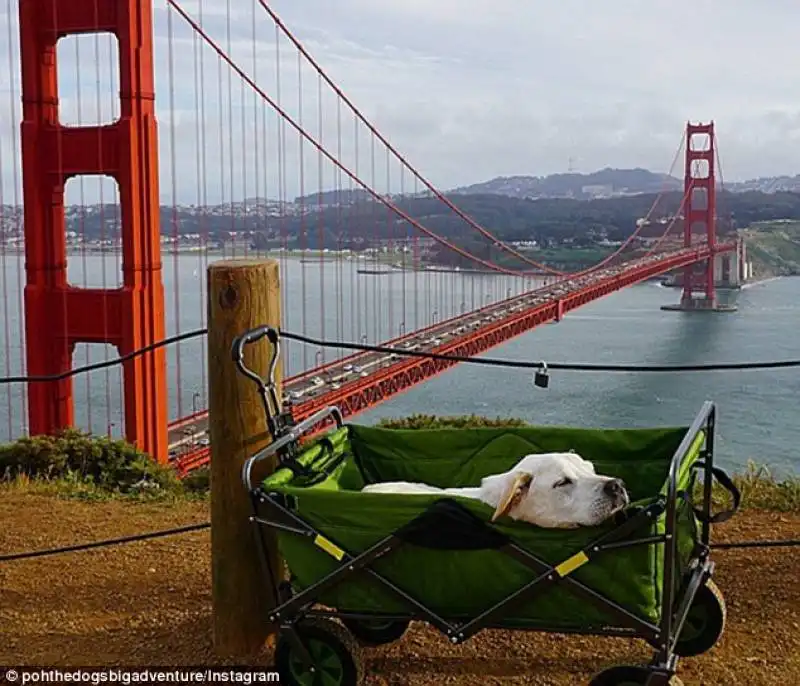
{"x":566,"y":481}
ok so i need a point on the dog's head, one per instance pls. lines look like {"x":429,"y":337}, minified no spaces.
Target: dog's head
{"x":555,"y":490}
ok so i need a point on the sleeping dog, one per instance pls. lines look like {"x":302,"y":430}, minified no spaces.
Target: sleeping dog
{"x":551,"y":490}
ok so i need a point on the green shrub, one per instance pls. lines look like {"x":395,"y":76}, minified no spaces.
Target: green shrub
{"x":198,"y":481}
{"x":427,"y":421}
{"x":72,"y":455}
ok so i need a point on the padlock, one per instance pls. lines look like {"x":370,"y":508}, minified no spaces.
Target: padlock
{"x":540,"y":377}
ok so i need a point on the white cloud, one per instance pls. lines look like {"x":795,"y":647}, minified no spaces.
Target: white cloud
{"x":466,"y":89}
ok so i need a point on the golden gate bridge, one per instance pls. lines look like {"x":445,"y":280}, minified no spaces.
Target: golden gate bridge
{"x":245,"y":115}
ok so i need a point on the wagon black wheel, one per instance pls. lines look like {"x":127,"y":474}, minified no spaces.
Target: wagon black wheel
{"x":376,"y":632}
{"x":704,"y":623}
{"x":627,"y":675}
{"x":333,"y":650}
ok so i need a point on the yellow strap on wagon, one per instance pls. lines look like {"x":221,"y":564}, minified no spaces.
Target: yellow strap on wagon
{"x":571,"y":564}
{"x":329,"y":547}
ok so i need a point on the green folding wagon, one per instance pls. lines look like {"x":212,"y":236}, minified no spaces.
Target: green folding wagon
{"x":362,"y":566}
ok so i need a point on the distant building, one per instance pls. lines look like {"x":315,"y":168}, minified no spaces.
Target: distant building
{"x":598,"y":190}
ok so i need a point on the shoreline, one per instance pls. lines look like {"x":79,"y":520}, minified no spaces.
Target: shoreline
{"x":364,"y":264}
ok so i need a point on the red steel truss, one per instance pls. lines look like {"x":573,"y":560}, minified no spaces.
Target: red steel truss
{"x":365,"y":393}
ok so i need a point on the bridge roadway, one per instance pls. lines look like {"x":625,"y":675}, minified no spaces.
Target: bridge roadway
{"x":307,"y":390}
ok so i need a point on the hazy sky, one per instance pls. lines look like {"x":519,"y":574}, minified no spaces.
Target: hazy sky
{"x":466,"y":89}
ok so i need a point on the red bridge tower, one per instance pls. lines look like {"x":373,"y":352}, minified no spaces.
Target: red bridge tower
{"x":699,"y":218}
{"x":57,"y":315}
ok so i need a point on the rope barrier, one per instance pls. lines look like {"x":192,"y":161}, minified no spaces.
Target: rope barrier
{"x":107,"y":363}
{"x":102,"y":544}
{"x":564,"y":366}
{"x":737,"y":366}
{"x":787,"y":543}
{"x":488,"y":361}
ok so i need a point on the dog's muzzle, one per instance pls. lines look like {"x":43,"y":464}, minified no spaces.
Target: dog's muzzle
{"x":616,"y":492}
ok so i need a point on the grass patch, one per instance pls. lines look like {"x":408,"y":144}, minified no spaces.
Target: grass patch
{"x":761,"y":490}
{"x":79,"y":465}
{"x":429,"y":421}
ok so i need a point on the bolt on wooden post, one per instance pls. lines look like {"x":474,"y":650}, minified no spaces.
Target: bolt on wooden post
{"x":242,"y":294}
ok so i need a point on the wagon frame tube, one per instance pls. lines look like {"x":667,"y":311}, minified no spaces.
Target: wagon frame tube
{"x":671,"y":625}
{"x":448,"y":512}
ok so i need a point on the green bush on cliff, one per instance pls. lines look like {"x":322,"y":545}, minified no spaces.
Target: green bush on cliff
{"x":429,"y":421}
{"x":80,"y":458}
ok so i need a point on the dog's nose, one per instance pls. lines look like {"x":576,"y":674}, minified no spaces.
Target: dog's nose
{"x":614,"y":488}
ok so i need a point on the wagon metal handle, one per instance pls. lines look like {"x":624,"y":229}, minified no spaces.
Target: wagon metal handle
{"x":266,"y":389}
{"x":253,"y":336}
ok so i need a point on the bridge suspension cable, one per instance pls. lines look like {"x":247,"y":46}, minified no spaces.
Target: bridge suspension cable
{"x":418,"y":176}
{"x":606,"y":260}
{"x":639,"y":228}
{"x":635,"y":234}
{"x":441,"y":196}
{"x":331,"y":158}
{"x":654,"y":248}
{"x":197,"y":27}
{"x":719,"y":175}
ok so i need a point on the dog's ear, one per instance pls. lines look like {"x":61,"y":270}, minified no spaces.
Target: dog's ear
{"x":513,"y":493}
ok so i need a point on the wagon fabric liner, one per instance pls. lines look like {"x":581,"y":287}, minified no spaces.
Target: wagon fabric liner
{"x":464,"y":583}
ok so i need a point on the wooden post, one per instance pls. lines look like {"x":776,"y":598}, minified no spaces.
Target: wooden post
{"x":242,"y":294}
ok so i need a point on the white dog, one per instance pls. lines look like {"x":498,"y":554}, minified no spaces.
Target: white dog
{"x":551,"y":490}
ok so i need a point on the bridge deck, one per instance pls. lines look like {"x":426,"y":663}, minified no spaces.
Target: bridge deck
{"x":364,"y":379}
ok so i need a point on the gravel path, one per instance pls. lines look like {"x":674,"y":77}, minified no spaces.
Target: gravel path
{"x":148,"y":603}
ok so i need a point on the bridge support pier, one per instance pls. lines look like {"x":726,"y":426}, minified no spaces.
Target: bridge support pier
{"x":731,"y":271}
{"x":699,"y":217}
{"x":699,"y":305}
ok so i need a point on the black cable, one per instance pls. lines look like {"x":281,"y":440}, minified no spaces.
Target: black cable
{"x":381,"y":349}
{"x":107,"y":542}
{"x":107,"y":363}
{"x":788,"y":543}
{"x":566,"y":366}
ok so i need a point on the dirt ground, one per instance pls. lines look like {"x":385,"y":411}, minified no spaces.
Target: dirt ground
{"x":148,"y":604}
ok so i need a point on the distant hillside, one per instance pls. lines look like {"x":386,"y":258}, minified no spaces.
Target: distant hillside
{"x":766,"y":184}
{"x":362,"y":223}
{"x":606,"y":183}
{"x":338,"y":197}
{"x":774,"y":247}
{"x":612,"y":183}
